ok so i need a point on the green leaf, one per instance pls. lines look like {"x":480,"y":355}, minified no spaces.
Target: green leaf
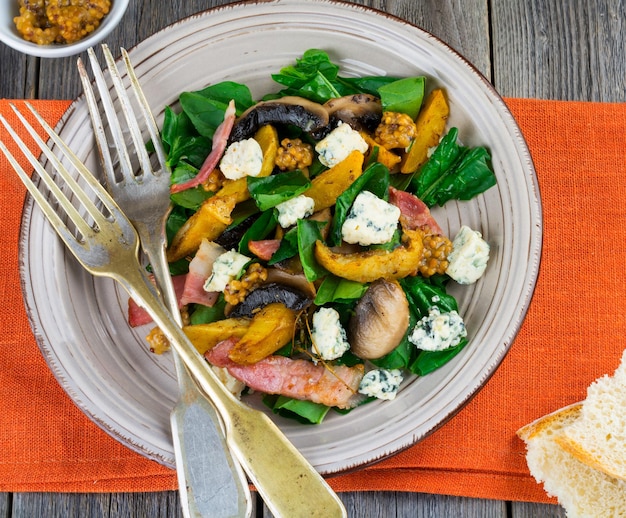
{"x":453,"y":172}
{"x":308,"y":234}
{"x":269,"y":191}
{"x":206,"y":315}
{"x":305,"y":412}
{"x":429,"y":361}
{"x":288,"y":247}
{"x":403,"y":96}
{"x":226,"y":91}
{"x":260,"y":229}
{"x":205,"y":114}
{"x":336,"y":289}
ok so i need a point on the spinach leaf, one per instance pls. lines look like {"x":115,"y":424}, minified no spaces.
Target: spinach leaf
{"x":403,"y":96}
{"x":205,"y":114}
{"x":181,"y":140}
{"x":375,"y":179}
{"x":226,"y":91}
{"x":260,"y":229}
{"x":336,"y":289}
{"x":313,"y":77}
{"x":453,"y":172}
{"x":424,"y":294}
{"x":288,"y":247}
{"x":369,"y":84}
{"x":428,"y":361}
{"x":269,"y":191}
{"x":206,"y":314}
{"x":305,"y":412}
{"x":308,"y":234}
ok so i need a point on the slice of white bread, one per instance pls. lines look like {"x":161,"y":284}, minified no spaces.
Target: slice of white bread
{"x":582,"y":490}
{"x":598,"y":436}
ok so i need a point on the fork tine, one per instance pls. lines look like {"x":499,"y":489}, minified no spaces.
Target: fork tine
{"x":57,"y":222}
{"x":127,"y":109}
{"x":151,"y":124}
{"x":112,"y":121}
{"x":87,"y":202}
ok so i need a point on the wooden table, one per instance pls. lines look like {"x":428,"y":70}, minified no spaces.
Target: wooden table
{"x":550,"y":49}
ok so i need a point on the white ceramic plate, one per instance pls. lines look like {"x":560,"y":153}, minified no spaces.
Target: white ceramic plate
{"x":80,"y":321}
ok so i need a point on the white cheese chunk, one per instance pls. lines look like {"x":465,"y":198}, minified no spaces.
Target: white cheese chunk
{"x":438,"y":331}
{"x":290,"y":211}
{"x":225,"y":268}
{"x":328,"y":335}
{"x":469,"y":256}
{"x":381,"y":383}
{"x":370,"y":221}
{"x":243,"y":158}
{"x":338,"y":144}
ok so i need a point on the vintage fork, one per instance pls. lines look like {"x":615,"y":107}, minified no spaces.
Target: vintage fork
{"x":210,"y":482}
{"x":105,"y":242}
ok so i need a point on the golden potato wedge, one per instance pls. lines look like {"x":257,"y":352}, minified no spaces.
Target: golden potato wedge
{"x":385,"y":157}
{"x":270,"y":329}
{"x":431,"y":123}
{"x":267,"y":137}
{"x":326,"y":187}
{"x":374,"y":264}
{"x":206,"y":336}
{"x":208,"y":222}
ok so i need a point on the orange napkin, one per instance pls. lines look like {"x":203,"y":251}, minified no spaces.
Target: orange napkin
{"x":573,"y":334}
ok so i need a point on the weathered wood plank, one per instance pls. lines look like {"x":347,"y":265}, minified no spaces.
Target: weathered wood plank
{"x":5,"y":505}
{"x":560,"y":50}
{"x":530,"y":510}
{"x":19,"y":74}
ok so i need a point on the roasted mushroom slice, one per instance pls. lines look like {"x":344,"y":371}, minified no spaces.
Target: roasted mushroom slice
{"x":297,"y":111}
{"x":380,"y":320}
{"x":360,"y":111}
{"x":293,"y":298}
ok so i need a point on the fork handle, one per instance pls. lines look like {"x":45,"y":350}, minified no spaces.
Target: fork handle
{"x":286,"y":481}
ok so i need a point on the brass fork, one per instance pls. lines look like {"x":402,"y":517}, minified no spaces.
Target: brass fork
{"x":105,"y":242}
{"x":144,"y":197}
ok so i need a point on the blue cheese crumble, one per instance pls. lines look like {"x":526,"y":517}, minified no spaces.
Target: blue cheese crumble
{"x":328,"y":335}
{"x":381,"y":383}
{"x":469,"y":256}
{"x":438,"y":331}
{"x":371,"y":221}
{"x":290,"y":211}
{"x":243,"y":158}
{"x":225,"y":268}
{"x":338,"y":144}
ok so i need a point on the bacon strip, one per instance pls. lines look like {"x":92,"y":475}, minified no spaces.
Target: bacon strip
{"x":220,"y":139}
{"x":200,"y":269}
{"x":413,"y":212}
{"x":137,"y":316}
{"x":299,"y":379}
{"x":264,"y":249}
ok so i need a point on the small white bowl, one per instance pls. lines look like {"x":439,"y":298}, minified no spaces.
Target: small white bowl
{"x":9,"y":9}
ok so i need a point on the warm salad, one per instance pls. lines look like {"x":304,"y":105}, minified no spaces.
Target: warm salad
{"x":307,"y":263}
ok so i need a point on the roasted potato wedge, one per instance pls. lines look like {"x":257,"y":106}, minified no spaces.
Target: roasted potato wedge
{"x":431,"y":123}
{"x":270,"y":329}
{"x":326,"y":187}
{"x":208,"y":222}
{"x":374,"y":264}
{"x":206,"y":336}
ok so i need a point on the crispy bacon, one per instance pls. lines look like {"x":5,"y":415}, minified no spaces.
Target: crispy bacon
{"x":137,"y":316}
{"x":200,"y":268}
{"x":220,"y":139}
{"x":413,"y":212}
{"x":264,"y":249}
{"x":299,"y":379}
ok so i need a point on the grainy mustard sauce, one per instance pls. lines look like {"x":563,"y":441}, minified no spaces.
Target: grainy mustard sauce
{"x":47,"y":22}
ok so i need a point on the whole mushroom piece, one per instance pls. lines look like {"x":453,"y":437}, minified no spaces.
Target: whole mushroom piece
{"x":380,"y":320}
